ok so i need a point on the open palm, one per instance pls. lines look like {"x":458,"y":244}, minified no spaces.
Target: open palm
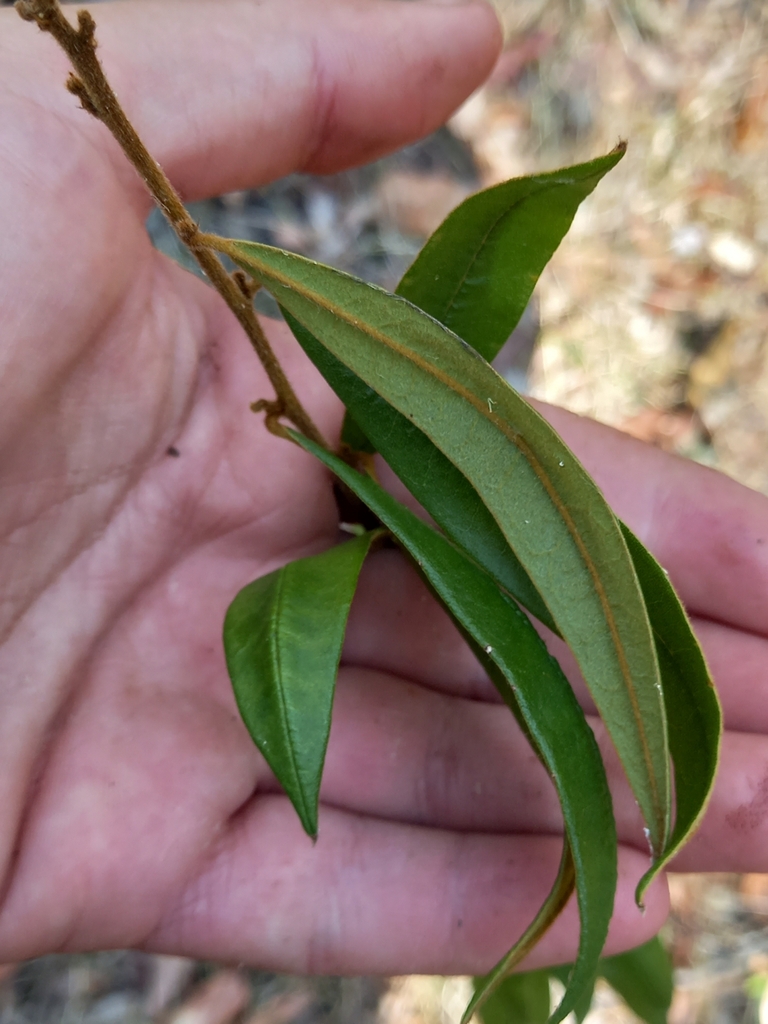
{"x":138,"y":494}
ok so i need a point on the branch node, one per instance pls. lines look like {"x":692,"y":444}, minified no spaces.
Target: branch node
{"x":273,"y":411}
{"x":78,"y":88}
{"x":86,"y":29}
{"x":93,"y":90}
{"x":189,"y":233}
{"x":246,"y":284}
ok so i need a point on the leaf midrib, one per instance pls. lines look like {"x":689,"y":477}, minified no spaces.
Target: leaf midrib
{"x":277,"y":660}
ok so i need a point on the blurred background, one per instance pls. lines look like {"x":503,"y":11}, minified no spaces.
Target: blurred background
{"x":652,"y":317}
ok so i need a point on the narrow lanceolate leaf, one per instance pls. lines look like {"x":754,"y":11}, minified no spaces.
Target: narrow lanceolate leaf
{"x":282,"y":639}
{"x":691,"y":703}
{"x":546,"y":506}
{"x":521,"y":999}
{"x":533,"y":685}
{"x":478,"y":270}
{"x":493,"y":990}
{"x":694,"y":715}
{"x":643,"y":978}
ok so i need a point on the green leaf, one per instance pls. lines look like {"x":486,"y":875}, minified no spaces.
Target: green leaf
{"x":430,"y":477}
{"x":643,"y":978}
{"x":694,"y":716}
{"x":520,"y":999}
{"x":546,"y":506}
{"x":478,"y":270}
{"x":692,"y":707}
{"x":533,"y":685}
{"x":282,"y":640}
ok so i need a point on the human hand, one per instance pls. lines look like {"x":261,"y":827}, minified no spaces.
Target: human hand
{"x":136,"y":810}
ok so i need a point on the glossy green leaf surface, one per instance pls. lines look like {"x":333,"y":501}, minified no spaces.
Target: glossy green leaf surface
{"x":282,"y":640}
{"x":478,"y":270}
{"x":546,"y":506}
{"x":643,"y":978}
{"x":533,"y":685}
{"x":694,"y":715}
{"x":520,"y":999}
{"x":431,"y":478}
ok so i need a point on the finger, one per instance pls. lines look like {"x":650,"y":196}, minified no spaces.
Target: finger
{"x":738,"y":662}
{"x":395,"y":626}
{"x":229,"y":94}
{"x":734,"y":833}
{"x":708,"y":531}
{"x":381,"y":898}
{"x":403,"y":753}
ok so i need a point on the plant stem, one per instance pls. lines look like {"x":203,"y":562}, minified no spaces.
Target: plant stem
{"x":90,"y":85}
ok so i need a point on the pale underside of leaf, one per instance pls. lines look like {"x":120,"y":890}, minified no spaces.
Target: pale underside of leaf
{"x":470,"y":276}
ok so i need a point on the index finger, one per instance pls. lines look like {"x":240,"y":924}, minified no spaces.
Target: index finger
{"x":229,"y":94}
{"x":708,"y":531}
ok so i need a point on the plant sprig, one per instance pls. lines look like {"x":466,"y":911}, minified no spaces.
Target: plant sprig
{"x":519,"y":518}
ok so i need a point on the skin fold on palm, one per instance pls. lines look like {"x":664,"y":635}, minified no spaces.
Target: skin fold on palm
{"x":136,"y":811}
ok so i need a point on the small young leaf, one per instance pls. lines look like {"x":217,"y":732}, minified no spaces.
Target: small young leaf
{"x":478,"y":270}
{"x":546,"y":506}
{"x":519,"y":999}
{"x":282,"y":640}
{"x":533,"y":685}
{"x":643,"y":978}
{"x":694,"y":715}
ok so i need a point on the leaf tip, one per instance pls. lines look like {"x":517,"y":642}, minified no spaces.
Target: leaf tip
{"x":307,"y":812}
{"x":642,"y":886}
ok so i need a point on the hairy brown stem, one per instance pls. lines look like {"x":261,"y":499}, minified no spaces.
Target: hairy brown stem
{"x":90,"y":85}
